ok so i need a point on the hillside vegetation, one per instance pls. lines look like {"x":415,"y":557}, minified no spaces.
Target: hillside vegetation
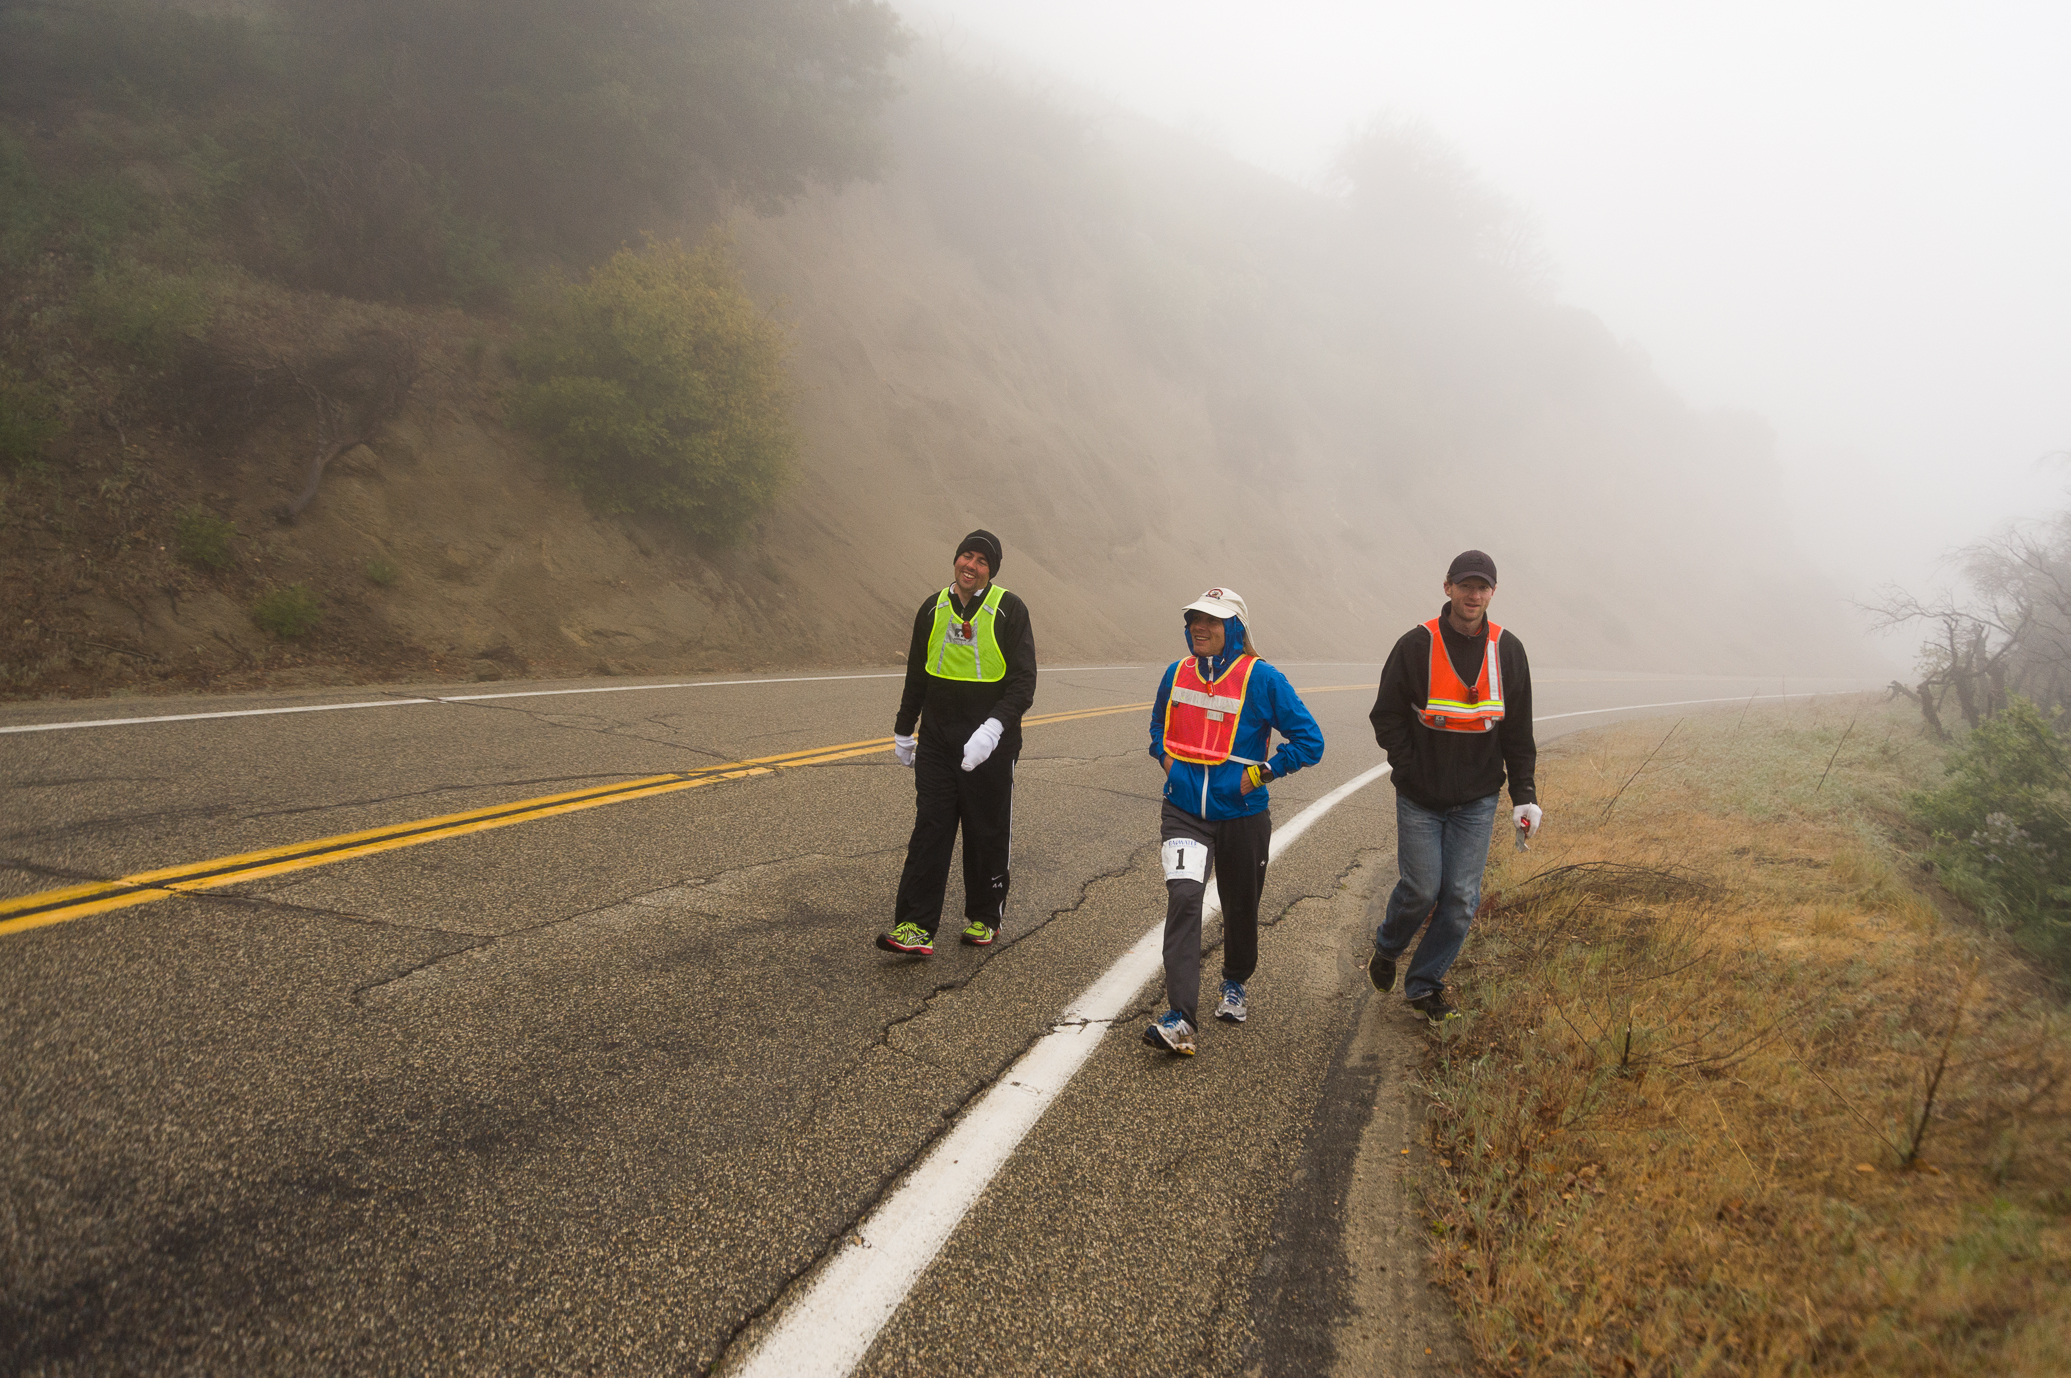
{"x":621,"y":336}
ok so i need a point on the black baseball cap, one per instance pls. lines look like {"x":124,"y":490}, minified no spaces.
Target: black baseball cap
{"x":1471,"y":564}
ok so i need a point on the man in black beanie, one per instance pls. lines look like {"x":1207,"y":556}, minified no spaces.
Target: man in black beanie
{"x":970,"y":675}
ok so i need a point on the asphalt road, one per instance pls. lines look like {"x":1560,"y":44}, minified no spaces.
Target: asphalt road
{"x":595,"y":1091}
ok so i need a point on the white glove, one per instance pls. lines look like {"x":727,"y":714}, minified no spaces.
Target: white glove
{"x":1526,"y":817}
{"x":982,"y":744}
{"x":902,"y":748}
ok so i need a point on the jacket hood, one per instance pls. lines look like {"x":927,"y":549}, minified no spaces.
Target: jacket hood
{"x":1233,"y":637}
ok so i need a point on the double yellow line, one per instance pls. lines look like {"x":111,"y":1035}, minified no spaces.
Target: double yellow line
{"x":145,"y":887}
{"x":95,"y":897}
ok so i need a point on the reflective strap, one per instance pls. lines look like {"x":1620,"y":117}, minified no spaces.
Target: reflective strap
{"x":1214,"y":703}
{"x":990,"y":611}
{"x":941,"y":647}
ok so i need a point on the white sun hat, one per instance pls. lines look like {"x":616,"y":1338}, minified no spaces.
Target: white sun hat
{"x":1223,"y":603}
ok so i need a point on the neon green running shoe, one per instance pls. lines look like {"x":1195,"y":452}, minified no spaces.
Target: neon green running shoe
{"x":908,"y":937}
{"x":979,"y":934}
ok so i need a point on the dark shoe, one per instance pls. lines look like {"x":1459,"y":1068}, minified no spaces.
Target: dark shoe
{"x":910,"y":938}
{"x":1434,"y":1008}
{"x":1381,"y":971}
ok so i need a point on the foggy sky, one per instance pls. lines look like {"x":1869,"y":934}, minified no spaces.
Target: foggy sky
{"x":1852,"y":219}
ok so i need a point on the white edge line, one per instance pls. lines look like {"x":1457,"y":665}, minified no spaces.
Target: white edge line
{"x":636,"y":688}
{"x":197,"y":717}
{"x":1686,"y":703}
{"x":833,"y":1323}
{"x":478,"y":698}
{"x":442,"y":698}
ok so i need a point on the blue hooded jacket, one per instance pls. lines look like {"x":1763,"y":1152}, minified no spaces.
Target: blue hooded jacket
{"x":1270,"y":704}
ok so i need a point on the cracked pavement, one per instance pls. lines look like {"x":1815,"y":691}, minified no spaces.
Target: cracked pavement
{"x":590,"y":1092}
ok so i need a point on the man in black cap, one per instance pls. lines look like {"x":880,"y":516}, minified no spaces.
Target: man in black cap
{"x":970,"y":675}
{"x":1455,"y":716}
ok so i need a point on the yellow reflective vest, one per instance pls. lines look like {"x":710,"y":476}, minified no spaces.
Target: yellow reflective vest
{"x":963,"y":650}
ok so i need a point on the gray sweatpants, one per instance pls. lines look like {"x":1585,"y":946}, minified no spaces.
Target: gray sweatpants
{"x":1234,"y":851}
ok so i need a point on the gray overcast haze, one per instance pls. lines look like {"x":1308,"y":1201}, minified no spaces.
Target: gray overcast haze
{"x":1852,"y":219}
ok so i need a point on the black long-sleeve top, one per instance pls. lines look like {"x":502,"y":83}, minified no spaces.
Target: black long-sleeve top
{"x":1440,"y":769}
{"x":950,"y":710}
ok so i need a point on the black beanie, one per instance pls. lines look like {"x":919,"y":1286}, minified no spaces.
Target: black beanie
{"x":986,"y":544}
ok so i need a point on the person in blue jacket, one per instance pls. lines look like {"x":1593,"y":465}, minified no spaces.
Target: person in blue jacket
{"x":1211,"y":728}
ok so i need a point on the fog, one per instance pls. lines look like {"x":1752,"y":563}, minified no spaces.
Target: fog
{"x":1849,"y":219}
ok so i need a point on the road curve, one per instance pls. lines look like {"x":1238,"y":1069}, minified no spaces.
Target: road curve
{"x":599,"y":1089}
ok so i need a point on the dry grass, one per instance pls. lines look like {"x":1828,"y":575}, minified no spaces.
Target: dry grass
{"x":1734,"y":1097}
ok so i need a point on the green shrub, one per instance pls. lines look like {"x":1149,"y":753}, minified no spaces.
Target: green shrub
{"x":203,"y":538}
{"x":472,"y":265}
{"x":287,"y":612}
{"x":31,"y":416}
{"x":2002,"y":826}
{"x":25,"y":211}
{"x":148,"y":311}
{"x":140,"y":57}
{"x":383,"y":571}
{"x":405,"y":148}
{"x":85,"y":214}
{"x":662,"y":388}
{"x":577,"y":123}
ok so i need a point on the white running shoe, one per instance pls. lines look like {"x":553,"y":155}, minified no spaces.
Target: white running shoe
{"x":1232,"y":1010}
{"x":1172,"y":1033}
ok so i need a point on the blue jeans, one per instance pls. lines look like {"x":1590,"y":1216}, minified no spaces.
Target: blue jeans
{"x":1440,"y":854}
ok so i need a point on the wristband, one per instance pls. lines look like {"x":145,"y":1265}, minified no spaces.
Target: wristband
{"x":1258,"y":775}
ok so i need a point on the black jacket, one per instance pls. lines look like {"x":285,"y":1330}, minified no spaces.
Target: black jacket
{"x":1440,"y":769}
{"x":950,"y":710}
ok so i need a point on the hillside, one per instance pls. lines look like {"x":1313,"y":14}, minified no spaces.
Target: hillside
{"x":1153,"y":369}
{"x":1148,"y":367}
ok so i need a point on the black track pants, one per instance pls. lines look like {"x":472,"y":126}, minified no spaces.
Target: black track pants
{"x":947,"y":795}
{"x":1236,"y":850}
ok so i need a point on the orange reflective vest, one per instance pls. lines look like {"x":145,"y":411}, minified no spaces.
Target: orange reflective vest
{"x":1201,"y":715}
{"x":1451,"y":705}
